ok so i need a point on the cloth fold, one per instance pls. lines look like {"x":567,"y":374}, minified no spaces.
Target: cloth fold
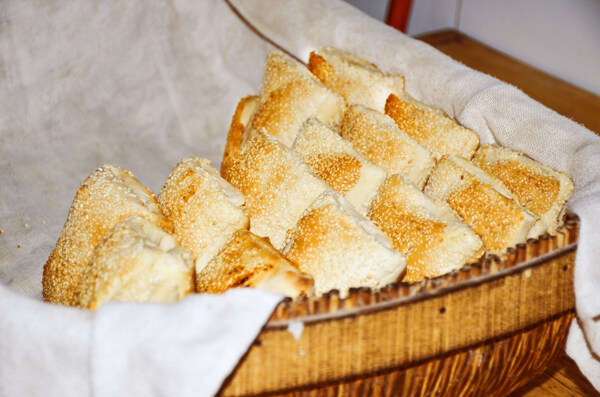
{"x":142,"y":85}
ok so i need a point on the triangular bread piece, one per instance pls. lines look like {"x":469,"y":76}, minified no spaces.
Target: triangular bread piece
{"x":248,"y":260}
{"x":355,"y":79}
{"x":205,"y":209}
{"x":341,"y":249}
{"x":536,"y":187}
{"x":108,"y":196}
{"x":337,"y":162}
{"x":376,"y":136}
{"x":431,"y":127}
{"x":278,"y":186}
{"x":291,"y":94}
{"x":428,"y":232}
{"x":482,"y":201}
{"x":136,"y":261}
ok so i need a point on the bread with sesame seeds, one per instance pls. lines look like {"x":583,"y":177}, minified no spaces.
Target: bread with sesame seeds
{"x":336,"y":161}
{"x":427,"y":232}
{"x":290,"y":94}
{"x":278,"y":186}
{"x":482,"y":201}
{"x":341,"y":249}
{"x":108,"y":196}
{"x":248,"y":260}
{"x":235,"y":136}
{"x":536,"y":187}
{"x":136,"y":261}
{"x":355,"y":79}
{"x":431,"y":127}
{"x":204,"y":208}
{"x":376,"y":136}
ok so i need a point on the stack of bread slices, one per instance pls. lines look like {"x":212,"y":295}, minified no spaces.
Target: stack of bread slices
{"x":332,"y":177}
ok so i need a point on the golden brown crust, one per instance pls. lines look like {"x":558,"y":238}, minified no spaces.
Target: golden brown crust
{"x":431,"y":128}
{"x":482,"y":201}
{"x":341,"y":171}
{"x":355,"y":79}
{"x":341,"y":249}
{"x":377,"y":138}
{"x":291,"y":94}
{"x":108,"y":196}
{"x":536,"y":187}
{"x":251,"y":261}
{"x":235,"y":134}
{"x":323,"y":71}
{"x":337,"y":162}
{"x":427,"y":232}
{"x":136,"y":261}
{"x":278,"y":186}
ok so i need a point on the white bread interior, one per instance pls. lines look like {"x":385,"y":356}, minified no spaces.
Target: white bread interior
{"x":355,"y":79}
{"x":431,"y":127}
{"x":427,"y":232}
{"x":278,"y":186}
{"x":248,"y":260}
{"x":482,"y":201}
{"x":377,"y":137}
{"x":341,"y":249}
{"x":136,"y":261}
{"x":336,"y":161}
{"x":205,"y":209}
{"x":536,"y":187}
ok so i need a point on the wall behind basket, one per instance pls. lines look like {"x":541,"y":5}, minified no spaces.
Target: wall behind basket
{"x":560,"y":37}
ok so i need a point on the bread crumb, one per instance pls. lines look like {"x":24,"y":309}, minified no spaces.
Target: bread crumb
{"x":1,"y":231}
{"x":26,"y":225}
{"x":296,"y":327}
{"x":18,"y":247}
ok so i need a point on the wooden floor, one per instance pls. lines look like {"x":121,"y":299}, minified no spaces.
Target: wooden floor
{"x":563,"y":378}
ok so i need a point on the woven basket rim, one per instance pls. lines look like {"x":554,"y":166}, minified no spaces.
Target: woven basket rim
{"x":365,"y":300}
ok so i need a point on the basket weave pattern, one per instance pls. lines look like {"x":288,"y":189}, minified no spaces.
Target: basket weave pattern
{"x":486,"y":329}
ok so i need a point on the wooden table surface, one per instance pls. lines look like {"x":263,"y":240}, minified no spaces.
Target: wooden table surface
{"x":562,"y":378}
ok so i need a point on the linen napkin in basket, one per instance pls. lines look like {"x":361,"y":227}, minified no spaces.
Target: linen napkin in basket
{"x":143,"y":85}
{"x":139,"y":85}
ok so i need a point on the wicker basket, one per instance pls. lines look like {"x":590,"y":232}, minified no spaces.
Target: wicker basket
{"x":484,"y":330}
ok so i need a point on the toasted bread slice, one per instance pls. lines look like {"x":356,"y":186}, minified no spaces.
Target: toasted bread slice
{"x":205,"y":209}
{"x":278,"y":186}
{"x":341,"y":249}
{"x":482,"y":201}
{"x":235,"y":137}
{"x":337,"y":162}
{"x":289,"y":96}
{"x":355,"y":79}
{"x":377,"y":137}
{"x":136,"y":261}
{"x":427,"y":232}
{"x":248,"y":260}
{"x":431,"y":127}
{"x":536,"y":187}
{"x":108,"y":196}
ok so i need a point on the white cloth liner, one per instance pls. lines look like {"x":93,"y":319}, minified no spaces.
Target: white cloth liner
{"x":141,"y":85}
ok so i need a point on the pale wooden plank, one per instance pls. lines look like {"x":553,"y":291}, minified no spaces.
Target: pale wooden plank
{"x":567,"y":99}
